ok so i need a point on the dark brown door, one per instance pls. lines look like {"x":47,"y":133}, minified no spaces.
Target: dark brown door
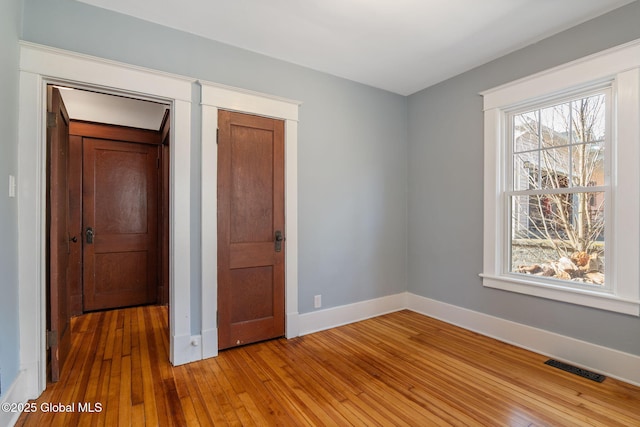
{"x":250,"y":226}
{"x":58,"y":231}
{"x":74,"y":273}
{"x":164,"y":171}
{"x":120,"y":224}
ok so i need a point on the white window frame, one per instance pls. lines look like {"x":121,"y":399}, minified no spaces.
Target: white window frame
{"x":618,"y":67}
{"x":605,"y":187}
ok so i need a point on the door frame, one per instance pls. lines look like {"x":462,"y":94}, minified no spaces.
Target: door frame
{"x":42,"y":65}
{"x":214,"y":97}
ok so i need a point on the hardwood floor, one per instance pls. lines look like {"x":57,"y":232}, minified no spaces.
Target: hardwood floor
{"x":398,"y":369}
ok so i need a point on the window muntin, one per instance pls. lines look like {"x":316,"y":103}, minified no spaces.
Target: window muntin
{"x":559,"y":190}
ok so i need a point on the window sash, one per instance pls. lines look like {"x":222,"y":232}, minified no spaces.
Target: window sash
{"x":553,"y":228}
{"x":567,"y":190}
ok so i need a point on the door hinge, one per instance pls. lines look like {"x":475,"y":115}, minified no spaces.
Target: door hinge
{"x":52,"y":339}
{"x":217,"y":318}
{"x":52,"y":119}
{"x":217,"y":134}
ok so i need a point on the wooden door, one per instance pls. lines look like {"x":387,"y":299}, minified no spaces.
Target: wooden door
{"x":164,"y":208}
{"x":58,"y":319}
{"x":74,"y":273}
{"x":250,"y":225}
{"x":120,"y":223}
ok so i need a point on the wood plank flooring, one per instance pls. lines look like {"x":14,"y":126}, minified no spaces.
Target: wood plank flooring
{"x":400,"y":369}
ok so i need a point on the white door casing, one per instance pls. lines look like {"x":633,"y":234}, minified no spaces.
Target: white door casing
{"x":214,"y":97}
{"x":42,"y":65}
{"x":39,"y":66}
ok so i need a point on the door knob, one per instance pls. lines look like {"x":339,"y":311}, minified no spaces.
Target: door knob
{"x":89,"y":235}
{"x":279,"y":239}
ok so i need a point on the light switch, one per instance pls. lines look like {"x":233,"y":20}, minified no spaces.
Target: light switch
{"x":12,"y":186}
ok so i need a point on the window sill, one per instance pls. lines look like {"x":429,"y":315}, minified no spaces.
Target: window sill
{"x":585,"y":297}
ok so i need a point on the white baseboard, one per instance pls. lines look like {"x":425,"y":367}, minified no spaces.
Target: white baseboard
{"x":292,"y":328}
{"x":593,"y":357}
{"x":186,"y":349}
{"x":336,"y":316}
{"x":18,"y":392}
{"x":209,"y":343}
{"x":31,"y":377}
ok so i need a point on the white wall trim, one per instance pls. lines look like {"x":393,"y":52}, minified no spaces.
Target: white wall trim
{"x":247,"y":101}
{"x":610,"y":362}
{"x":209,"y":249}
{"x":40,"y":65}
{"x":600,"y":66}
{"x":292,"y":328}
{"x":214,"y":97}
{"x":53,"y":62}
{"x":18,"y":392}
{"x":192,"y":347}
{"x":321,"y":320}
{"x":31,"y":229}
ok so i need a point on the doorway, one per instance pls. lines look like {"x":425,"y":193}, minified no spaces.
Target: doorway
{"x":40,"y":65}
{"x":107,"y":207}
{"x":189,"y":312}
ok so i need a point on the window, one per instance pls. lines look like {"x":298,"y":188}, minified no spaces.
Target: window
{"x":558,"y":160}
{"x":562,"y":149}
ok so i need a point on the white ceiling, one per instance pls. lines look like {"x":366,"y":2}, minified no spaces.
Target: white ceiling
{"x":398,"y":45}
{"x":111,"y":109}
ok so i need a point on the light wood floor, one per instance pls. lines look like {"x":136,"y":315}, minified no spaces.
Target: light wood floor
{"x":399,"y":369}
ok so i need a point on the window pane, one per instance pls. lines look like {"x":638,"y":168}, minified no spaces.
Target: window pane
{"x":588,"y":119}
{"x":525,"y":172}
{"x":559,"y":236}
{"x":555,"y":167}
{"x":587,"y":165}
{"x":555,"y":125}
{"x":525,"y":131}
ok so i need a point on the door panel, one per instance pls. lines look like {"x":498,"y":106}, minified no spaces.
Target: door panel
{"x":58,"y":231}
{"x":253,"y":293}
{"x":120,"y":187}
{"x":250,"y":212}
{"x":251,"y":187}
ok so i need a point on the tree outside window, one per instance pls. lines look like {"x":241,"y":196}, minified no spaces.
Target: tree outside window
{"x":558,"y":190}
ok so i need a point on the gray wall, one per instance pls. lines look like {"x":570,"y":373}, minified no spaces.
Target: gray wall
{"x":10,"y":11}
{"x":352,"y":147}
{"x":446,"y":188}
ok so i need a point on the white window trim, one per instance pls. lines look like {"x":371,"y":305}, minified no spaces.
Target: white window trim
{"x":620,"y":66}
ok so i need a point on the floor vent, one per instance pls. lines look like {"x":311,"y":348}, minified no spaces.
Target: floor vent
{"x":575,"y":370}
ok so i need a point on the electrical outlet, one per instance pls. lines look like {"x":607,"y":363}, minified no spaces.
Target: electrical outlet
{"x":317,"y":301}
